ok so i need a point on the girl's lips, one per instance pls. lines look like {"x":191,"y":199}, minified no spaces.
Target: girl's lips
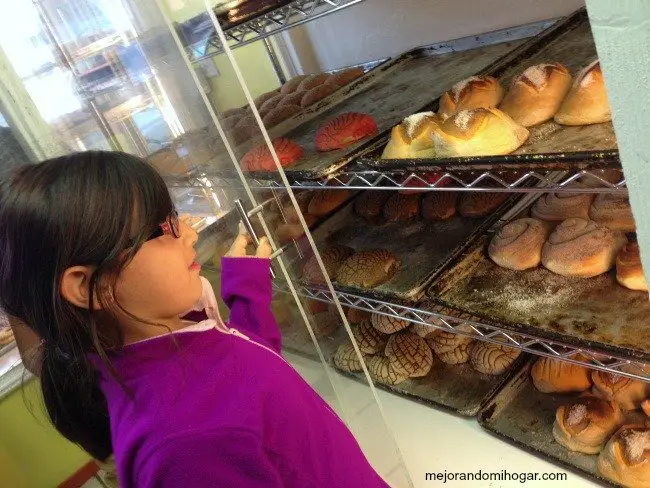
{"x":195,"y":266}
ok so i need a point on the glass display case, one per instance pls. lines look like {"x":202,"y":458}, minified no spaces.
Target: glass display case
{"x":384,"y":201}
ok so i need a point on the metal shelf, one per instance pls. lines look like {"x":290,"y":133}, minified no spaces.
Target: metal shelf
{"x":461,"y":180}
{"x":439,"y":319}
{"x":296,"y":13}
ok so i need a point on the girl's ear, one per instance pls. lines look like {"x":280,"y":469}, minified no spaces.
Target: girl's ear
{"x":75,"y":286}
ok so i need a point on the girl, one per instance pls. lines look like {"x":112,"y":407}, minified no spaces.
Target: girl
{"x":95,"y":260}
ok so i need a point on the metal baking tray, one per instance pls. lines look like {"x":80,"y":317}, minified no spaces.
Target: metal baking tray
{"x":524,"y":416}
{"x":458,"y":388}
{"x":391,"y":91}
{"x":550,"y":145}
{"x":595,"y":313}
{"x":424,"y":248}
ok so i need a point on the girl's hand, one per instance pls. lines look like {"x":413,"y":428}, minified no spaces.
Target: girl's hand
{"x":238,"y":248}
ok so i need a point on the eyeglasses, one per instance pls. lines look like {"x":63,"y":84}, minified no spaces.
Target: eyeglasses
{"x":171,"y":226}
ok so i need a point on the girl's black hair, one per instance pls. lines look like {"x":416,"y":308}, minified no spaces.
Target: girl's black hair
{"x":92,"y":208}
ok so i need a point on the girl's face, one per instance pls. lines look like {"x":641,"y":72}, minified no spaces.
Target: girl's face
{"x":162,"y":280}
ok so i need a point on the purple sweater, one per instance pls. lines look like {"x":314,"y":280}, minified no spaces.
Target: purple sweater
{"x":219,"y":407}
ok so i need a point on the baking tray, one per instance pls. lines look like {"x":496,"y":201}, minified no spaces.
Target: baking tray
{"x":391,"y":91}
{"x":458,"y":388}
{"x":569,"y":42}
{"x":595,"y":313}
{"x":524,"y":416}
{"x":424,"y":248}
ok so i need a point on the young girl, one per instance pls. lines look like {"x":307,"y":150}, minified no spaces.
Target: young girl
{"x":94,"y":259}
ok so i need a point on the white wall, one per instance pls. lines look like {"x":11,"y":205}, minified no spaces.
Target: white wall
{"x":381,"y":28}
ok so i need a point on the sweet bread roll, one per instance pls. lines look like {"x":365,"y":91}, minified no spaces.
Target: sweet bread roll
{"x":271,"y":102}
{"x":292,"y":85}
{"x":312,"y":81}
{"x":264,"y":97}
{"x":234,"y":112}
{"x":586,"y":423}
{"x":424,"y":331}
{"x":280,"y":114}
{"x":229,"y":123}
{"x":368,"y":269}
{"x":409,"y":354}
{"x":439,"y":205}
{"x":327,"y":200}
{"x":613,"y":211}
{"x":294,"y":98}
{"x":626,"y":392}
{"x":581,"y":248}
{"x":346,"y":358}
{"x":444,"y":341}
{"x":459,"y":355}
{"x":356,"y":316}
{"x":380,"y":370}
{"x":413,"y":138}
{"x":552,"y":375}
{"x":480,"y":204}
{"x":260,"y":158}
{"x":629,"y":271}
{"x":536,"y":94}
{"x":332,"y":259}
{"x":555,"y":207}
{"x":369,"y":339}
{"x":474,"y":92}
{"x":587,"y":101}
{"x":387,"y":324}
{"x":344,"y":77}
{"x":401,"y":207}
{"x":317,"y":93}
{"x":489,"y":358}
{"x":478,"y":132}
{"x":370,"y":204}
{"x":625,"y":459}
{"x":343,"y":130}
{"x":518,"y":245}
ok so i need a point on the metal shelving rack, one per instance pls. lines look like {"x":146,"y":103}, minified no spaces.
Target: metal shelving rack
{"x":296,"y":13}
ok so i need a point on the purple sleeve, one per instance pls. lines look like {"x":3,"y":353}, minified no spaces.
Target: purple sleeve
{"x":246,"y":289}
{"x":225,"y":458}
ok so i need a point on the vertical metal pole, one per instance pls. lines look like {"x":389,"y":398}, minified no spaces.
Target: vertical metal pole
{"x":277,"y":66}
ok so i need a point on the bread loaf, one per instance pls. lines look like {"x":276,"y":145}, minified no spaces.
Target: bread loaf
{"x":292,"y":85}
{"x":294,"y":98}
{"x":413,"y":138}
{"x":480,"y":204}
{"x":341,"y":131}
{"x":387,"y":324}
{"x":625,"y":459}
{"x":556,"y":207}
{"x":459,"y":355}
{"x":346,"y":358}
{"x":264,"y":97}
{"x":536,"y":94}
{"x":425,"y":331}
{"x":629,"y":271}
{"x":380,"y":370}
{"x":312,"y":81}
{"x":518,"y":244}
{"x":586,"y":423}
{"x":587,"y":101}
{"x":626,"y":392}
{"x":271,"y":102}
{"x":356,"y":316}
{"x":409,"y":354}
{"x":555,"y":376}
{"x":439,"y":205}
{"x":327,"y":200}
{"x":401,"y":207}
{"x":478,"y":132}
{"x":489,"y":358}
{"x":581,"y":248}
{"x":370,"y":204}
{"x":613,"y":211}
{"x":344,"y":77}
{"x":368,"y":269}
{"x":260,"y":159}
{"x":369,"y":339}
{"x":332,"y":259}
{"x":474,"y":92}
{"x":279,"y":114}
{"x":445,"y":341}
